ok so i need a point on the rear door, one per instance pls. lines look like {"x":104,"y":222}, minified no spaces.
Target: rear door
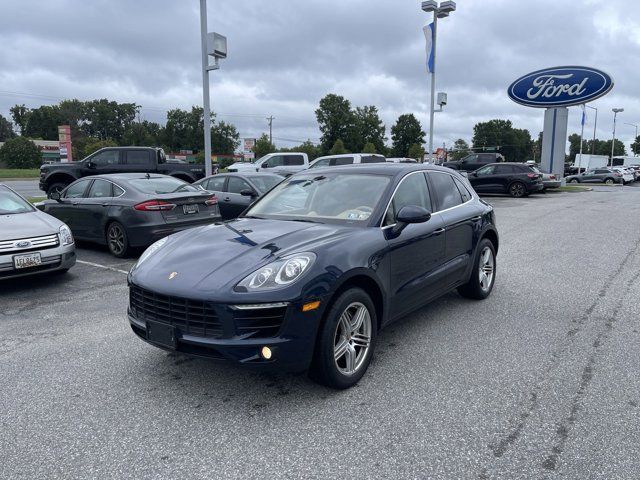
{"x":104,"y":161}
{"x":294,"y":163}
{"x":503,"y":176}
{"x":93,"y":209}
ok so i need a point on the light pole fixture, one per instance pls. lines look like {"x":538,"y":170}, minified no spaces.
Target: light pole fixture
{"x":595,"y":124}
{"x":635,"y":139}
{"x":214,"y":45}
{"x":441,"y":10}
{"x":615,"y":111}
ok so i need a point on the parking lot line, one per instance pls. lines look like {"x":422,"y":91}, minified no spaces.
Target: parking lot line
{"x":102,"y":266}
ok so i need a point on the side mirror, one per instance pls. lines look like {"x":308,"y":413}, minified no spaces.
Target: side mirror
{"x":248,"y":193}
{"x":55,"y":196}
{"x":474,"y":174}
{"x":90,"y":164}
{"x":265,"y":165}
{"x":410,"y":214}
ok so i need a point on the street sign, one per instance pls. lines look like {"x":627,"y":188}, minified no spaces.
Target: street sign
{"x":560,"y":87}
{"x":249,"y":145}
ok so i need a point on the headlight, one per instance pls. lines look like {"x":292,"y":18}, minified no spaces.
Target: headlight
{"x":66,"y":238}
{"x":280,"y":273}
{"x":151,"y":250}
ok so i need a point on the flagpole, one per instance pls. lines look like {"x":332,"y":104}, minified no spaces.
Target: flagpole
{"x":433,"y":86}
{"x":582,"y":134}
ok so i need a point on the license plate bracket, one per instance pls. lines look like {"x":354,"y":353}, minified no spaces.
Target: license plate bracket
{"x":161,"y":334}
{"x":190,"y":209}
{"x":27,"y":260}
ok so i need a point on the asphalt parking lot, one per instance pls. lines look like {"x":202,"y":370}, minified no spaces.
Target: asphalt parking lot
{"x":538,"y":381}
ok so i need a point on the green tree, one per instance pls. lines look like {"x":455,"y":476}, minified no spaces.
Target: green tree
{"x":515,"y":144}
{"x":574,"y":146}
{"x":338,"y":148}
{"x":225,"y":138}
{"x":144,"y":134}
{"x":43,"y":122}
{"x":635,"y":146}
{"x":460,"y":149}
{"x":108,"y":119}
{"x":20,"y":116}
{"x":6,"y":129}
{"x":368,"y":129}
{"x":336,"y":121}
{"x":20,"y":152}
{"x":369,"y":148}
{"x":263,"y":146}
{"x":312,"y":150}
{"x":416,"y":151}
{"x":406,"y":132}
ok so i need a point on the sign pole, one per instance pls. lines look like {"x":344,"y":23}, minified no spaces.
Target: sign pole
{"x":433,"y":86}
{"x":582,"y":134}
{"x":205,"y":89}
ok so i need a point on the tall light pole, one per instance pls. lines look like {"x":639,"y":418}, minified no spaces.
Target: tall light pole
{"x":439,"y":11}
{"x":214,"y":45}
{"x":635,"y":139}
{"x":615,"y":111}
{"x":595,"y":124}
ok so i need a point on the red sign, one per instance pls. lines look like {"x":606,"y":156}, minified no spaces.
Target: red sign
{"x":64,"y":137}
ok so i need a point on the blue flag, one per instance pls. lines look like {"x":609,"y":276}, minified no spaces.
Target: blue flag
{"x":428,"y":34}
{"x":584,"y":116}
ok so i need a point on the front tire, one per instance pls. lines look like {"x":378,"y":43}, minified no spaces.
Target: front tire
{"x":574,"y":180}
{"x":346,"y":341}
{"x":517,"y":190}
{"x":117,"y":240}
{"x":483,"y":273}
{"x":55,"y":187}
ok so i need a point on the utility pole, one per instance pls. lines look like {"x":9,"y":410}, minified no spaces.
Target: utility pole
{"x":205,"y":88}
{"x":270,"y":120}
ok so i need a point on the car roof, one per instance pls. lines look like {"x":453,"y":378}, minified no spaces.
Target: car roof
{"x":130,"y":176}
{"x":382,"y":168}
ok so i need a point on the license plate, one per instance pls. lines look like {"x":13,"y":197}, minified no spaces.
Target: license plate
{"x":190,"y":209}
{"x":162,"y":334}
{"x":26,"y":261}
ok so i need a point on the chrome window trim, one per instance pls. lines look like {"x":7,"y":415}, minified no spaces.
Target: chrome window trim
{"x":124,"y":190}
{"x":384,"y":227}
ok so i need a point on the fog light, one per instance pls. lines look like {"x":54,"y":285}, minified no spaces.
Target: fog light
{"x":310,"y":306}
{"x":266,"y":353}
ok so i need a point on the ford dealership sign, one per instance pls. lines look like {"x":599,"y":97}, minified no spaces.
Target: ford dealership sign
{"x":560,"y":87}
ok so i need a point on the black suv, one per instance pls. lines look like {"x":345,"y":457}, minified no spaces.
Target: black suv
{"x":516,"y":179}
{"x":474,"y":161}
{"x":55,"y":177}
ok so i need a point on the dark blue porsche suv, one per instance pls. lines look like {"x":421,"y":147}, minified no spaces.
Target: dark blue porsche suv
{"x":310,"y":273}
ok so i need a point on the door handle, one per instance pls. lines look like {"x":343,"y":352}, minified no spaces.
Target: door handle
{"x":227,"y":199}
{"x":476,"y":218}
{"x":439,"y":231}
{"x":105,"y":204}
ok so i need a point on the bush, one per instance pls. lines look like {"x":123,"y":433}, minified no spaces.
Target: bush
{"x":20,"y":152}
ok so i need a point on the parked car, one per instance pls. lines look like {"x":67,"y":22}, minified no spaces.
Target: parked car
{"x":307,"y":276}
{"x":129,"y":210}
{"x":598,"y":175}
{"x":289,"y":162}
{"x":56,"y":176}
{"x":516,"y":179}
{"x":402,"y":160}
{"x":628,"y":174}
{"x":474,"y":161}
{"x":31,"y":241}
{"x":236,"y":191}
{"x":549,"y":180}
{"x":347,"y":159}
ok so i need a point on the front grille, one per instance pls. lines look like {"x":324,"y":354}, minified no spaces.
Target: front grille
{"x":30,"y":244}
{"x":205,"y":319}
{"x":265,"y":322}
{"x":194,"y":317}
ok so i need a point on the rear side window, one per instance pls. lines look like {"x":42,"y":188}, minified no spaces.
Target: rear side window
{"x":486,"y":158}
{"x":294,"y":160}
{"x":138,"y":157}
{"x":464,"y":191}
{"x":341,"y":161}
{"x":506,"y":169}
{"x":372,"y":159}
{"x":100,"y":189}
{"x":445,"y":190}
{"x":117,"y":191}
{"x":412,"y":191}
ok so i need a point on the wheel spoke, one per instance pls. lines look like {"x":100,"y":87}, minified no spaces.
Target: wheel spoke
{"x":340,"y":349}
{"x":361,"y":340}
{"x":350,"y":357}
{"x":358,"y":318}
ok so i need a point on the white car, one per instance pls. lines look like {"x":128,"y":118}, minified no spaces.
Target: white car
{"x":627,"y":176}
{"x":289,"y":162}
{"x":402,"y":160}
{"x":347,"y":159}
{"x":31,"y":241}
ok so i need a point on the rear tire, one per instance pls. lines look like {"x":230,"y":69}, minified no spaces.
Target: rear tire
{"x":117,"y":240}
{"x":574,"y":180}
{"x":517,"y":190}
{"x":346,"y":340}
{"x":483,"y":272}
{"x":609,"y":181}
{"x":55,"y":187}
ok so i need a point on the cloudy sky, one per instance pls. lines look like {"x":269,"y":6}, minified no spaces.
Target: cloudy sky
{"x":284,"y":55}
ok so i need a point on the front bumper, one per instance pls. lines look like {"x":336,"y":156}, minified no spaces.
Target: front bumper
{"x":227,"y":338}
{"x":53,"y":259}
{"x":552,"y":184}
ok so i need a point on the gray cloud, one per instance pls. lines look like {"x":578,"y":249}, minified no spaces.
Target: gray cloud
{"x":286,"y":54}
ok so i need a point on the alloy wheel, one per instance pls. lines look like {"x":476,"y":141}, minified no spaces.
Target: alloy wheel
{"x":116,"y":239}
{"x":486,"y":269}
{"x":517,"y":190}
{"x":352,"y":338}
{"x":608,"y":181}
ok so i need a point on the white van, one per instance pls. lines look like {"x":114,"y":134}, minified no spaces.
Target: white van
{"x":347,"y":159}
{"x":289,"y":161}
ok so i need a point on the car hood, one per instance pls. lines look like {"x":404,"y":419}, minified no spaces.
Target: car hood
{"x":215,"y":257}
{"x":23,"y":225}
{"x":60,"y":165}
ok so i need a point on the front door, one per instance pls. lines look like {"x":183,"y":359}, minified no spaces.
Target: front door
{"x":483,"y":179}
{"x":233,"y":202}
{"x":66,"y":209}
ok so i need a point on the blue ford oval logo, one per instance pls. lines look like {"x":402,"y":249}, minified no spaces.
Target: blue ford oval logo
{"x":23,"y":244}
{"x":560,"y":87}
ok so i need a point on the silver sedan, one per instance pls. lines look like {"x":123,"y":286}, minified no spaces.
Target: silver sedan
{"x":31,"y":241}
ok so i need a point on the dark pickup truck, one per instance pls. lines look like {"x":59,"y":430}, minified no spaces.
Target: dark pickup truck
{"x":55,"y":177}
{"x":474,"y":161}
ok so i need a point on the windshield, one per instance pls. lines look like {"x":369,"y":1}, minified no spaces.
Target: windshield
{"x":156,"y":185}
{"x":265,"y":183}
{"x":11,"y":203}
{"x":332,"y":198}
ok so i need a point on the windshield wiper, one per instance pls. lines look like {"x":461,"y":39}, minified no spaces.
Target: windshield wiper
{"x":305,"y":220}
{"x":252,"y":216}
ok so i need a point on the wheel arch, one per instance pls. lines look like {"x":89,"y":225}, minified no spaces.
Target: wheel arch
{"x":366,"y":282}
{"x":60,"y":177}
{"x":492,"y":236}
